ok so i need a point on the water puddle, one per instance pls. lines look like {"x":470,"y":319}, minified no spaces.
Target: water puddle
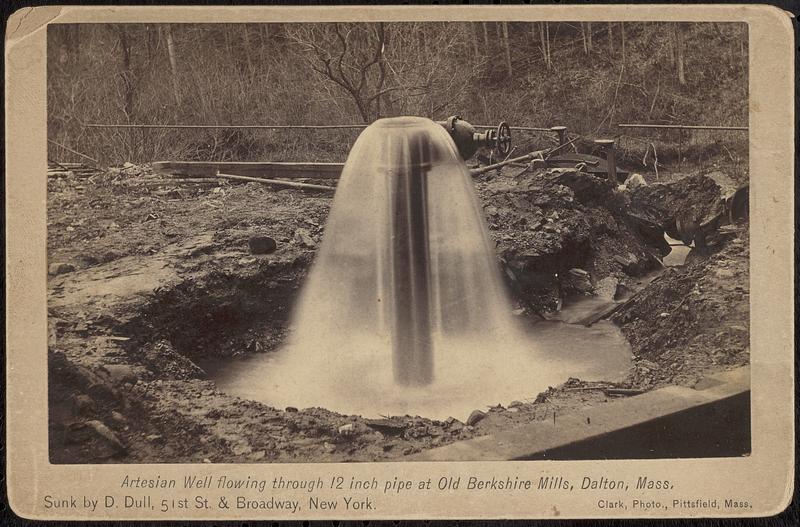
{"x":469,"y":377}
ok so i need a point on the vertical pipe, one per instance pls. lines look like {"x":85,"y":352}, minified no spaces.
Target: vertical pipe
{"x":561,"y":132}
{"x":611,"y":162}
{"x":411,"y":338}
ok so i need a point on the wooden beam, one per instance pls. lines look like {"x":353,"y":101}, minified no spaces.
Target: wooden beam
{"x":252,"y":169}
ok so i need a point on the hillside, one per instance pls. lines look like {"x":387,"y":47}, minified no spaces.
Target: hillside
{"x":588,"y":77}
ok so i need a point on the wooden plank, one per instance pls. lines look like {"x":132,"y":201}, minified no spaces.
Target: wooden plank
{"x":252,"y":169}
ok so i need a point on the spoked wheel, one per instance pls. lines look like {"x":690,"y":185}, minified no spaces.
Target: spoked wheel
{"x":502,"y":139}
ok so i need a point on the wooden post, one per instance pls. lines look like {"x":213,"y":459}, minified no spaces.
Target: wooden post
{"x":611,"y":163}
{"x":561,"y":133}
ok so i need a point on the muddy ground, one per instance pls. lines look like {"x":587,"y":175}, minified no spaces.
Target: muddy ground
{"x":148,"y":281}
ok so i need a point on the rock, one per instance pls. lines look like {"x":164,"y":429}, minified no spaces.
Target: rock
{"x":386,"y":426}
{"x":607,"y":288}
{"x":262,"y":244}
{"x":347,"y":430}
{"x":103,"y":432}
{"x":629,"y":263}
{"x":119,"y":373}
{"x":291,"y":409}
{"x":60,"y":268}
{"x":241,"y":449}
{"x":635,"y":181}
{"x":725,"y":273}
{"x":247,"y":261}
{"x":118,"y":418}
{"x":303,"y":237}
{"x":514,"y":404}
{"x":475,"y":417}
{"x":84,"y":405}
{"x":154,"y":438}
{"x":328,"y":447}
{"x":581,"y":280}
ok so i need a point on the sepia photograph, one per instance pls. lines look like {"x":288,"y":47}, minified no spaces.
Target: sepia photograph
{"x":397,"y":241}
{"x":395,"y":263}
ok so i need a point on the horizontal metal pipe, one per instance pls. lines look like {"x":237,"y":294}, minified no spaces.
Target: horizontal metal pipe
{"x":518,"y":128}
{"x":226,"y":126}
{"x":685,"y":127}
{"x":274,"y":127}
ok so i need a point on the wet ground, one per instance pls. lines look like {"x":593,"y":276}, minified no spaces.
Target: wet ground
{"x":152,"y":286}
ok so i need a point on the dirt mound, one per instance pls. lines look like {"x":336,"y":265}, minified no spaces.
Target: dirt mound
{"x":692,"y":320}
{"x":550,"y":221}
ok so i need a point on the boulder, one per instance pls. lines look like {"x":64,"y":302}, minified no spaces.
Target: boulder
{"x":262,"y":244}
{"x":119,"y":374}
{"x":475,"y":417}
{"x":84,"y":405}
{"x":303,"y":237}
{"x":607,"y":288}
{"x":581,"y":280}
{"x":60,"y":268}
{"x":635,"y":181}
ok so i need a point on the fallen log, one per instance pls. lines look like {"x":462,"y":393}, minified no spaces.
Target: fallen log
{"x":623,"y":391}
{"x":277,"y":182}
{"x":179,"y":181}
{"x":252,"y":168}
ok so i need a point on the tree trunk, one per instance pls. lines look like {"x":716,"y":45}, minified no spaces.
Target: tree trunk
{"x":583,"y":37}
{"x":173,"y":63}
{"x":680,"y":54}
{"x":589,"y":36}
{"x":246,"y":36}
{"x":622,"y":38}
{"x":129,"y":91}
{"x":671,"y":42}
{"x":486,"y":36}
{"x":507,"y":45}
{"x":543,"y":44}
{"x":610,"y":39}
{"x":547,"y":41}
{"x":473,"y":31}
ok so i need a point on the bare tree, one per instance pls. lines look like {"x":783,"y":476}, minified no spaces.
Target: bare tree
{"x":507,"y":46}
{"x":679,"y":53}
{"x":474,"y":34}
{"x":129,"y":80}
{"x":173,"y":63}
{"x":544,"y":39}
{"x":583,"y":37}
{"x":350,"y":55}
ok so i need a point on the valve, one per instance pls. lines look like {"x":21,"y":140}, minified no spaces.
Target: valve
{"x":502,"y":139}
{"x":468,"y":139}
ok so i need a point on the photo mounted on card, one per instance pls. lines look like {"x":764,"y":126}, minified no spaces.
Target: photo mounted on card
{"x":414,"y":262}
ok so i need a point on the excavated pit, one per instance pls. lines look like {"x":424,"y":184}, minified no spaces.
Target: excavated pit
{"x":232,"y":328}
{"x":158,"y":311}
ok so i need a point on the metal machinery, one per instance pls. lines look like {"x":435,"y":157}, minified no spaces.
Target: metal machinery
{"x":468,"y":139}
